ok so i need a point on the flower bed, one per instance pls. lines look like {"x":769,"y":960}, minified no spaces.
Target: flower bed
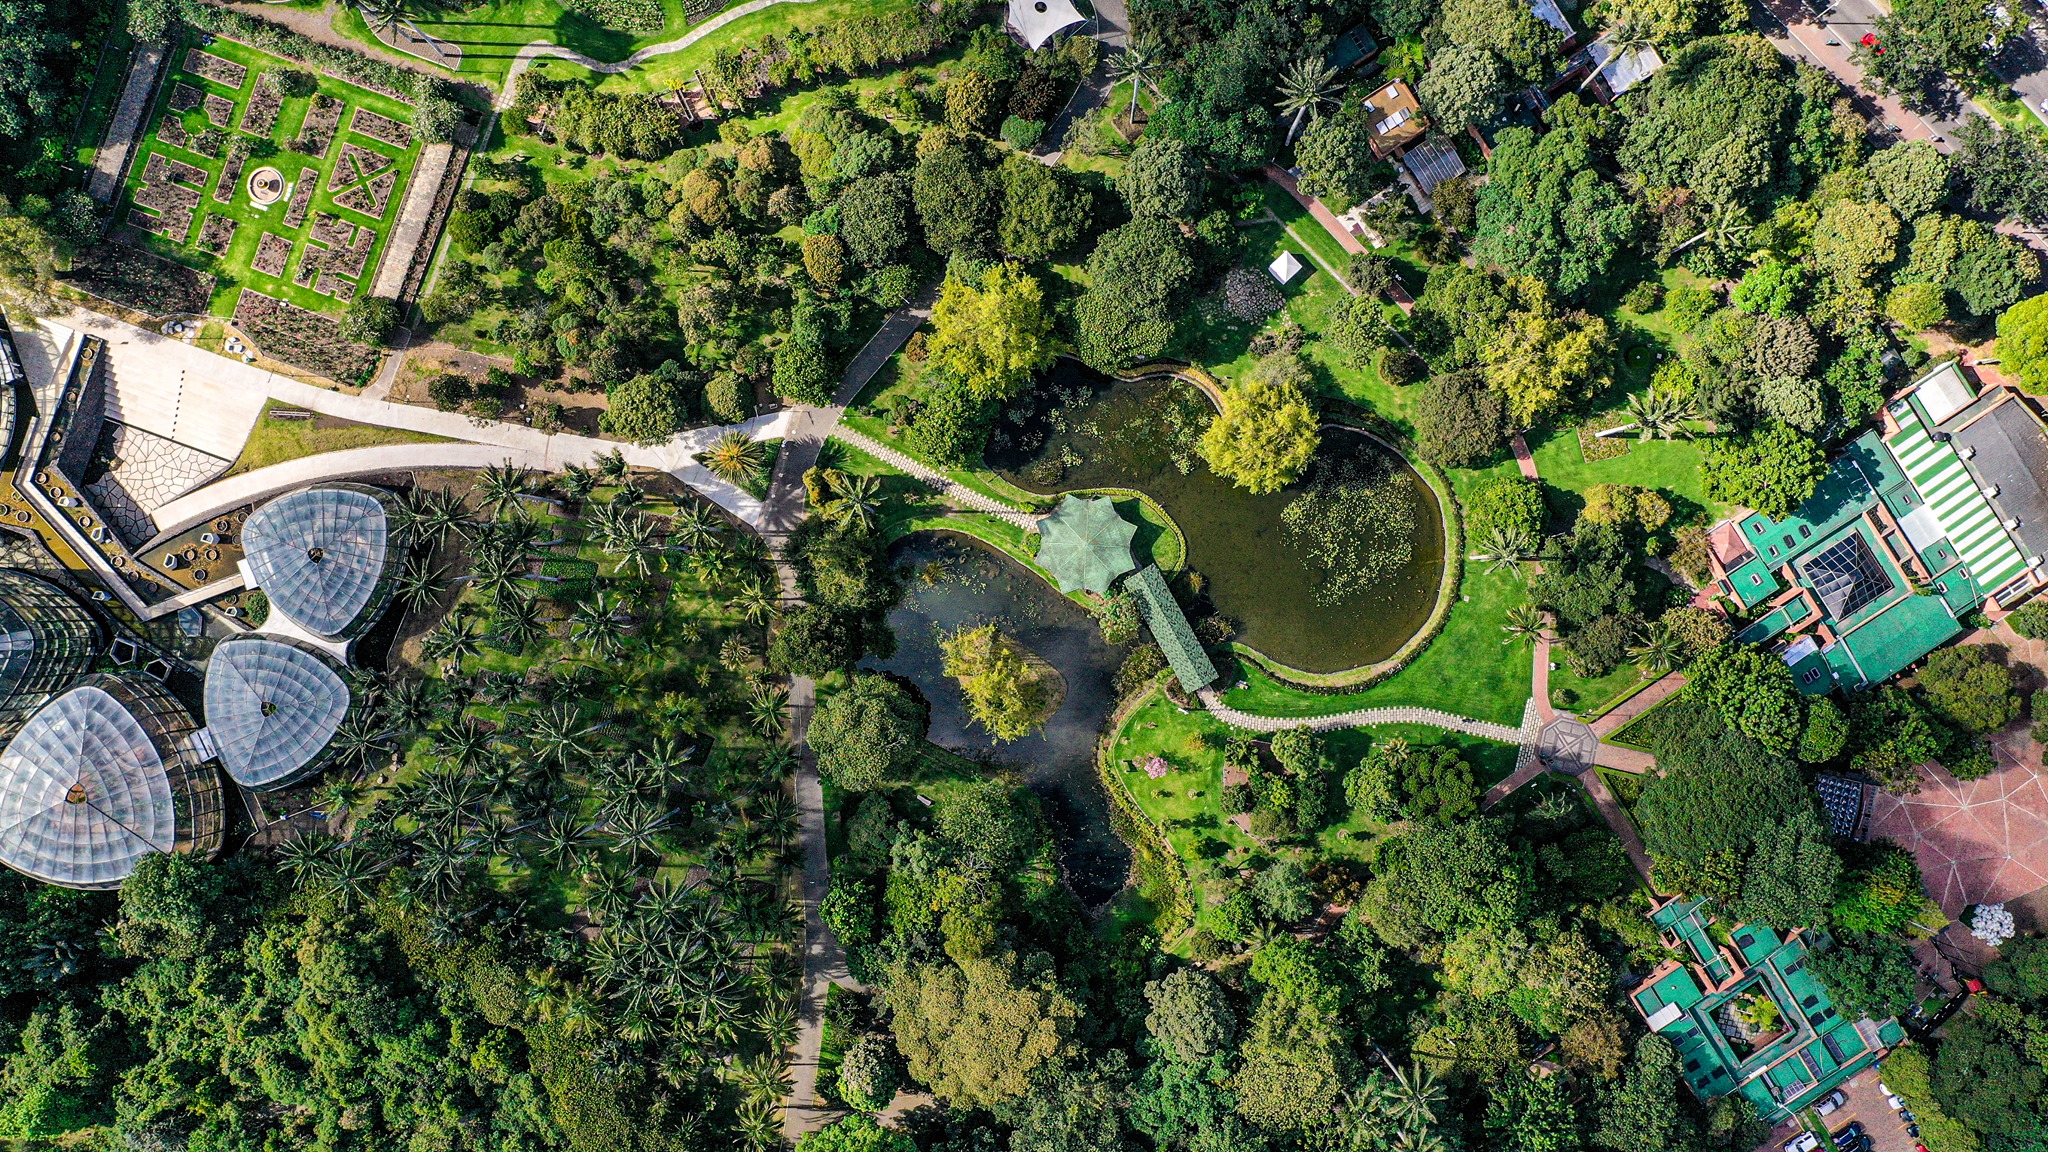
{"x":272,"y":252}
{"x":331,"y":285}
{"x":382,"y":128}
{"x":167,"y":197}
{"x":331,"y":229}
{"x":312,"y":258}
{"x":220,"y":111}
{"x":136,"y":279}
{"x":184,"y":97}
{"x":359,"y":163}
{"x":217,"y":234}
{"x":308,"y":339}
{"x":332,"y":59}
{"x":261,"y":114}
{"x":171,"y":130}
{"x":625,"y":15}
{"x":226,"y":73}
{"x":323,"y":116}
{"x":370,"y":199}
{"x":349,"y":261}
{"x":302,"y":197}
{"x":230,"y":176}
{"x":172,"y":223}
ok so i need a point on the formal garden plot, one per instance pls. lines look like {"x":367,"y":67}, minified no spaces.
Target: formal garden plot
{"x":251,"y":157}
{"x":136,"y":279}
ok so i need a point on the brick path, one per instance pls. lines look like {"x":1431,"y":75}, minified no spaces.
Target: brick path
{"x":1638,"y":704}
{"x":111,"y":160}
{"x":953,"y":490}
{"x":1430,"y":717}
{"x":1617,"y":820}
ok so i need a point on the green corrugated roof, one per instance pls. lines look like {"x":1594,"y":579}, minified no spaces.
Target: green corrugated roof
{"x":1085,"y":544}
{"x":1967,"y":518}
{"x":1170,"y":629}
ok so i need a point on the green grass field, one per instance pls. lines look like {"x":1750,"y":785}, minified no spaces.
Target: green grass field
{"x":251,"y":221}
{"x":275,"y":440}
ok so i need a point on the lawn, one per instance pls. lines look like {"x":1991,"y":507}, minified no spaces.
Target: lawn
{"x":491,"y":34}
{"x":1466,"y":669}
{"x":278,"y":437}
{"x":1672,"y":466}
{"x":332,"y":200}
{"x":1187,"y":802}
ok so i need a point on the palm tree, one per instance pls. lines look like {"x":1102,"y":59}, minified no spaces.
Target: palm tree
{"x":1726,"y":228}
{"x":500,"y":486}
{"x":434,"y":515}
{"x":764,"y":710}
{"x":465,"y":742}
{"x":1524,"y":623}
{"x":610,"y":893}
{"x":736,"y":655}
{"x":1415,"y":1095}
{"x":753,"y":601}
{"x":518,"y":620}
{"x":560,"y":837}
{"x":576,"y":483}
{"x":1308,"y":87}
{"x":348,"y":874}
{"x":342,"y":795}
{"x":1625,"y":38}
{"x":1135,"y":64}
{"x":733,"y":457}
{"x":638,"y":546}
{"x":1661,"y":415}
{"x":418,"y":585}
{"x":667,"y":762}
{"x":597,"y":623}
{"x":1506,"y":546}
{"x":304,"y":856}
{"x":611,"y":466}
{"x":758,"y":1125}
{"x":1656,"y":651}
{"x":629,"y":495}
{"x":408,"y":705}
{"x":558,"y":734}
{"x":634,"y":830}
{"x":451,"y":641}
{"x":763,"y":1078}
{"x":693,"y":525}
{"x":859,"y":499}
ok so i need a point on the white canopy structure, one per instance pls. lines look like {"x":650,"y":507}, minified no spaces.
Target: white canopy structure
{"x":1037,"y":21}
{"x":1285,"y":267}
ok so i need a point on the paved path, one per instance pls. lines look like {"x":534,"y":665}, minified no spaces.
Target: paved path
{"x":413,"y":219}
{"x":1524,"y":459}
{"x":1610,"y":811}
{"x":1624,"y":759}
{"x":542,"y":48}
{"x":806,"y":430}
{"x":960,"y":494}
{"x":1567,"y":745}
{"x":1430,"y":717}
{"x":111,"y":160}
{"x":1638,"y":704}
{"x":1807,"y":40}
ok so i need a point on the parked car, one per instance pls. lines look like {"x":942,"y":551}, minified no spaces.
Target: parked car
{"x":1894,"y":1103}
{"x":1830,"y":1102}
{"x":1804,"y":1142}
{"x":1849,"y":1134}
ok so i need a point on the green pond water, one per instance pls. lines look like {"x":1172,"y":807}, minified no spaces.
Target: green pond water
{"x":1097,"y":432}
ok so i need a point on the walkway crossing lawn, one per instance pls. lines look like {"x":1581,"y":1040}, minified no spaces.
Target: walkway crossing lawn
{"x":1466,"y":669}
{"x":277,"y":438}
{"x":1186,"y":802}
{"x":662,"y":73}
{"x":345,"y":219}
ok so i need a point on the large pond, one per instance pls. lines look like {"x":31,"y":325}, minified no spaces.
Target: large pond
{"x":1087,"y":431}
{"x":955,"y":582}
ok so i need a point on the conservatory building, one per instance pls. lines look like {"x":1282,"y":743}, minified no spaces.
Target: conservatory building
{"x":324,"y":556}
{"x":103,"y":776}
{"x":272,"y":705}
{"x":47,"y":640}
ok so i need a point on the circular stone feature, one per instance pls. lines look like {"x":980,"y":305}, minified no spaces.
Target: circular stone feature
{"x":266,"y":186}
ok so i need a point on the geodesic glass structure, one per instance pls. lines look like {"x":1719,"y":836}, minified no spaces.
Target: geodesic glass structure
{"x":47,"y":640}
{"x":272,"y":704}
{"x":101,"y":777}
{"x":324,"y":556}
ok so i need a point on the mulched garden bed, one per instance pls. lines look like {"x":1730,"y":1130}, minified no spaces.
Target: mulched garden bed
{"x":302,"y":197}
{"x":166,"y":197}
{"x":172,"y":224}
{"x":226,"y":73}
{"x":161,"y":169}
{"x":308,"y":339}
{"x":370,"y":199}
{"x":360,"y":162}
{"x":140,"y":280}
{"x":383,"y":128}
{"x":171,"y":130}
{"x":331,"y":229}
{"x":261,"y":114}
{"x":335,"y":286}
{"x":323,"y":116}
{"x":312,"y":258}
{"x":350,"y":261}
{"x":220,"y":111}
{"x":1594,"y":446}
{"x":271,"y":254}
{"x":230,"y":176}
{"x":217,"y":234}
{"x":184,"y":97}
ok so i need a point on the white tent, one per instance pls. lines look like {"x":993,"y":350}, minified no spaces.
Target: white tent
{"x":1285,"y":267}
{"x":1039,"y":20}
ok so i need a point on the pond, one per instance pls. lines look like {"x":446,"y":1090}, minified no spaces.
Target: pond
{"x":1084,"y":430}
{"x":975,"y":585}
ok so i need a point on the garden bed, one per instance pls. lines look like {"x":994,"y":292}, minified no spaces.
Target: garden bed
{"x":136,"y":279}
{"x":285,"y":331}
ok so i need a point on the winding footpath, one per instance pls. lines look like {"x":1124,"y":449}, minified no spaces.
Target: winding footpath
{"x":954,"y":491}
{"x":543,"y":49}
{"x":1430,"y":717}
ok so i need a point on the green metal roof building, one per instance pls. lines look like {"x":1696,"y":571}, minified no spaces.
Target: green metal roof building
{"x":1085,"y":544}
{"x":1903,"y":537}
{"x":1170,"y":628}
{"x":1708,"y":1009}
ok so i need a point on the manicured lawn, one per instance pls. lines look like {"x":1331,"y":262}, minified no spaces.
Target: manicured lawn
{"x":1670,"y":465}
{"x":275,"y":440}
{"x":251,"y":221}
{"x":491,"y":34}
{"x":1187,"y":802}
{"x":1466,"y":669}
{"x":1589,"y":695}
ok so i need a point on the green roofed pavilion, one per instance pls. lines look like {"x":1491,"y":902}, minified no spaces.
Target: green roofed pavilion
{"x":1085,"y":544}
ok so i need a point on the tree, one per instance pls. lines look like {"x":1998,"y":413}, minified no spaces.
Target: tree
{"x":1719,"y":789}
{"x":1005,"y":693}
{"x":1266,"y":434}
{"x":1642,"y":1113}
{"x":1772,"y":288}
{"x":1790,"y":878}
{"x":1793,"y":400}
{"x":1772,"y":470}
{"x":825,"y":260}
{"x":1546,"y":357}
{"x":1989,"y":1082}
{"x":1190,"y":1016}
{"x":1308,"y":87}
{"x":150,"y":19}
{"x":970,"y":102}
{"x":2021,"y":970}
{"x":1137,"y":277}
{"x":1509,"y":503}
{"x":1463,"y":87}
{"x":1753,"y":692}
{"x":1459,"y":421}
{"x":951,"y":424}
{"x":1913,"y":176}
{"x":802,"y":371}
{"x":1163,"y":177}
{"x":1509,"y":29}
{"x":647,"y":408}
{"x":1044,"y":210}
{"x":1549,"y":211}
{"x":994,"y":337}
{"x":1870,"y":976}
{"x":1525,"y":1114}
{"x":1853,"y":240}
{"x":977,"y":1033}
{"x":370,"y":319}
{"x":1337,"y":162}
{"x":2023,"y":342}
{"x":1921,"y":45}
{"x":958,"y":199}
{"x":865,"y":732}
{"x":814,"y":640}
{"x":992,"y":824}
{"x":875,"y":219}
{"x":1294,"y":1062}
{"x":1917,"y":307}
{"x":1970,"y":688}
{"x":870,"y":1073}
{"x":856,"y":1134}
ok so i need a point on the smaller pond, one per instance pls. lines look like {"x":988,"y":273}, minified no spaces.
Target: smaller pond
{"x":1087,"y":431}
{"x":979,"y":586}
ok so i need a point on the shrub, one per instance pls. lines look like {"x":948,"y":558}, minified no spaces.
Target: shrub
{"x":729,"y":397}
{"x":2031,"y":621}
{"x":1644,"y":298}
{"x":450,"y":391}
{"x":1689,"y":306}
{"x":1022,"y":134}
{"x":870,"y":1074}
{"x":370,"y":320}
